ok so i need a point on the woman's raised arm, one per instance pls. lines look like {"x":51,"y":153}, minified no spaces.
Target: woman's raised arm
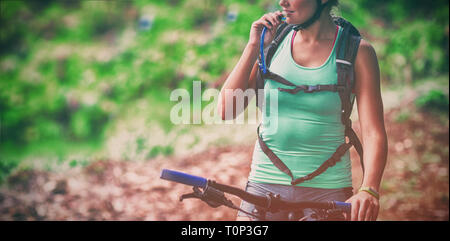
{"x":244,"y":74}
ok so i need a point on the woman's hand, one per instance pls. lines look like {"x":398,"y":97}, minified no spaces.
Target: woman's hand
{"x":269,"y":20}
{"x":365,"y":207}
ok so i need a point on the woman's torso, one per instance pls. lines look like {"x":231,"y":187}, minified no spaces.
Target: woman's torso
{"x":305,"y":129}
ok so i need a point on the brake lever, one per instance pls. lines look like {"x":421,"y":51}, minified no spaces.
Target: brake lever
{"x":210,"y":196}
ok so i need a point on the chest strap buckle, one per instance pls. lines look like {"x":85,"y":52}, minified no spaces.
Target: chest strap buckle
{"x":312,"y":88}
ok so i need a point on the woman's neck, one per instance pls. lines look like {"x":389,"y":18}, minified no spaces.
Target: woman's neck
{"x":323,"y":28}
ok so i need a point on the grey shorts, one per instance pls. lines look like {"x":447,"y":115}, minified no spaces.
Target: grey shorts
{"x":294,"y":194}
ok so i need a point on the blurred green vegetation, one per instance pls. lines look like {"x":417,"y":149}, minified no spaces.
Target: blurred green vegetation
{"x":72,"y":71}
{"x":434,"y":100}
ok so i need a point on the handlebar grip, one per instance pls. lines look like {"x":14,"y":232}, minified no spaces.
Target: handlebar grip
{"x":346,"y":207}
{"x":184,"y":178}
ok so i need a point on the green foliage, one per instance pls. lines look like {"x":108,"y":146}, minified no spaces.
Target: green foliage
{"x":160,"y":150}
{"x":87,"y":122}
{"x":71,"y":70}
{"x":410,"y":37}
{"x":415,"y":51}
{"x":434,"y":100}
{"x":74,"y":163}
{"x":402,"y":116}
{"x":6,"y":166}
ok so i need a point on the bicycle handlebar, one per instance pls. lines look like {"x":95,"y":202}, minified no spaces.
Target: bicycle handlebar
{"x":184,"y":178}
{"x":268,"y":201}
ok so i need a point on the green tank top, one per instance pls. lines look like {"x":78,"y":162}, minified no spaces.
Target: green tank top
{"x":305,"y":129}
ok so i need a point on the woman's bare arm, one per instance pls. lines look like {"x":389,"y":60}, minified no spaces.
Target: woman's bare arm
{"x":373,"y":133}
{"x":242,"y":78}
{"x":371,"y":115}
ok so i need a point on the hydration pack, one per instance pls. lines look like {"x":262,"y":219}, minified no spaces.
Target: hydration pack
{"x":347,"y":48}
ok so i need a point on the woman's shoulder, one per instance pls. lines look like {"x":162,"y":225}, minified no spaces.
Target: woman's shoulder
{"x":366,"y":54}
{"x":366,"y":66}
{"x":366,"y":50}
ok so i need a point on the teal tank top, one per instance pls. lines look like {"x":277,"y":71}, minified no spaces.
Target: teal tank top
{"x":305,"y":129}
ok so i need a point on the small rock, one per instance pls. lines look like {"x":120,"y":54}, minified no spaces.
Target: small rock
{"x":60,"y":188}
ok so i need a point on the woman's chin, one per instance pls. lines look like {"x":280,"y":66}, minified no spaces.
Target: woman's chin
{"x":290,"y":20}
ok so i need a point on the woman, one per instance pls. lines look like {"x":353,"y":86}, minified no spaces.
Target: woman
{"x":307,"y":127}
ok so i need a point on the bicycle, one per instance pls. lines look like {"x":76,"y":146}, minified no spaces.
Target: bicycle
{"x":213,"y":193}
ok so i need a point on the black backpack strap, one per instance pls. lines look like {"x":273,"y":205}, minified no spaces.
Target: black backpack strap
{"x":275,"y":160}
{"x":259,"y":88}
{"x":311,"y":88}
{"x":336,"y":157}
{"x":277,"y":78}
{"x":269,"y":52}
{"x":347,"y":49}
{"x":282,"y":31}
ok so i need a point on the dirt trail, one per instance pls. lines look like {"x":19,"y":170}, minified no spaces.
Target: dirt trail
{"x":117,"y":190}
